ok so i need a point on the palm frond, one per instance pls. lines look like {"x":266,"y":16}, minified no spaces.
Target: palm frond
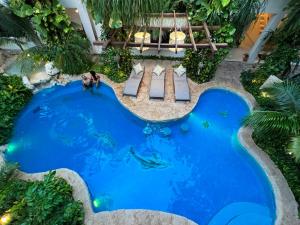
{"x":248,"y":10}
{"x":33,"y":58}
{"x":291,"y":25}
{"x":294,"y":147}
{"x":286,"y":95}
{"x":268,"y":122}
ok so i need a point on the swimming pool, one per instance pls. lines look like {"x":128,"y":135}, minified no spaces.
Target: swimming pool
{"x":194,"y":167}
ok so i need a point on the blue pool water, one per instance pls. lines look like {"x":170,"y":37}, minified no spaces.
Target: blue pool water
{"x":194,"y":167}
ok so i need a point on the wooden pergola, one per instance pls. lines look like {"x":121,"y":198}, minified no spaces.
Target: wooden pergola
{"x":188,"y":29}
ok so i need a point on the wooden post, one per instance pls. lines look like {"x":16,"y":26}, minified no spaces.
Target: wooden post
{"x":208,"y":36}
{"x":128,"y":38}
{"x":143,"y":41}
{"x":160,"y":31}
{"x":191,"y":33}
{"x":175,"y":30}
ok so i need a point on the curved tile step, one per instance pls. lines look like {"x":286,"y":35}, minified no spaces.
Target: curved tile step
{"x":239,"y":211}
{"x":251,"y":219}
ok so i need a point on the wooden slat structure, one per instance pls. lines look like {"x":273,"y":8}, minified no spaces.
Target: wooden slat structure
{"x":191,"y":33}
{"x":208,"y":36}
{"x":128,"y":38}
{"x":160,"y":31}
{"x":175,"y":30}
{"x":188,"y":28}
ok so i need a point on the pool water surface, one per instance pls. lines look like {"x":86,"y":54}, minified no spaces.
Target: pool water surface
{"x":193,"y":167}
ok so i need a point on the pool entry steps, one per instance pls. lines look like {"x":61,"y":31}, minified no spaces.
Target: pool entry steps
{"x":242,"y":213}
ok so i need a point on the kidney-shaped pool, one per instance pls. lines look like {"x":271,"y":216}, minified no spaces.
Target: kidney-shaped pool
{"x":194,"y":167}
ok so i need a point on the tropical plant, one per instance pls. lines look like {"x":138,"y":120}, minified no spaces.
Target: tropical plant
{"x":284,"y":119}
{"x":49,"y":18}
{"x":238,"y":13}
{"x":290,"y":29}
{"x":115,"y":63}
{"x":13,"y":97}
{"x":67,"y":49}
{"x":201,"y":65}
{"x":45,"y":202}
{"x":120,"y":12}
{"x":277,"y":63}
{"x":225,"y":34}
{"x":14,"y":29}
{"x":71,"y":57}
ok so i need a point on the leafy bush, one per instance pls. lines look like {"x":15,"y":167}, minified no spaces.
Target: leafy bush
{"x":49,"y":18}
{"x":116,"y":64}
{"x":61,"y":43}
{"x":201,"y":65}
{"x":275,"y":145}
{"x":71,"y":57}
{"x":236,"y":13}
{"x":277,"y":63}
{"x":13,"y":97}
{"x":45,"y":202}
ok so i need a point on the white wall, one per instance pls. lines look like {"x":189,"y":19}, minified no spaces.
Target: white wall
{"x":92,"y":32}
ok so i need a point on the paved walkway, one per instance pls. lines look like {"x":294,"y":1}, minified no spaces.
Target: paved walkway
{"x":168,"y":109}
{"x":155,"y":109}
{"x":229,"y":72}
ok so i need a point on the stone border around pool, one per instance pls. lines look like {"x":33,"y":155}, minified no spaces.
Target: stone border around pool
{"x":286,"y":205}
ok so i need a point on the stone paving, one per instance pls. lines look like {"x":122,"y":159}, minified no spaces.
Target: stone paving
{"x":168,"y":109}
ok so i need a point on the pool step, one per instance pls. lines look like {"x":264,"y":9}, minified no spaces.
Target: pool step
{"x":251,"y":219}
{"x":242,"y":213}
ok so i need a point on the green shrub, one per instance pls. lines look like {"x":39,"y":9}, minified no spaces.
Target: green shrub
{"x":201,"y":65}
{"x":45,"y":202}
{"x":277,"y":63}
{"x":275,"y":145}
{"x":13,"y":97}
{"x":115,"y":63}
{"x":49,"y":18}
{"x":61,"y":44}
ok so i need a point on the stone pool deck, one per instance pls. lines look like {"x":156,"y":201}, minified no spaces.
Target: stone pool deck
{"x":168,"y":109}
{"x":227,"y":76}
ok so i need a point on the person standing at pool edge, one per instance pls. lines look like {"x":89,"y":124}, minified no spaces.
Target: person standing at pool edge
{"x":95,"y":78}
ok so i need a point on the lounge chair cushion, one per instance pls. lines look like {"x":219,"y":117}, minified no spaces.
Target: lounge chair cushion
{"x":158,"y":70}
{"x":138,"y":68}
{"x":180,"y":71}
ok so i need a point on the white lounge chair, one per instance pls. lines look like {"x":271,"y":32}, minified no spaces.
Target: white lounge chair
{"x":157,"y":87}
{"x":181,"y":86}
{"x":134,"y":81}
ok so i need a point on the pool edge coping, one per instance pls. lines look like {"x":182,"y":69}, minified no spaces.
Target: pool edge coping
{"x":285,"y":203}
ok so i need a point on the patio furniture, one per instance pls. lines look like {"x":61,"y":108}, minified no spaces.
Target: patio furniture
{"x":157,"y":87}
{"x":181,"y":86}
{"x":134,"y":81}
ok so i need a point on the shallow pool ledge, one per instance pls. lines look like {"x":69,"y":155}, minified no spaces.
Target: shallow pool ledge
{"x":286,"y":205}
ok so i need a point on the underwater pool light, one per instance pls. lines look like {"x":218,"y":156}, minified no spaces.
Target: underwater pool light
{"x":97,"y":202}
{"x":11,"y":148}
